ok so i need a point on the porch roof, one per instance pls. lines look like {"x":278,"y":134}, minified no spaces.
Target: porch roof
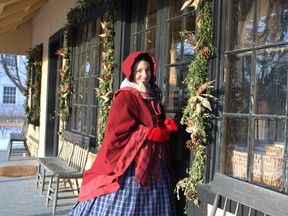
{"x":16,"y":24}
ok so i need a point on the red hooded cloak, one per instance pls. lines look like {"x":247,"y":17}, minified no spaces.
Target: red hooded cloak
{"x":128,"y":124}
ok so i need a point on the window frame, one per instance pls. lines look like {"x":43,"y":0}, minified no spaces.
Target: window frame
{"x":219,"y":73}
{"x":10,"y":60}
{"x":91,"y":18}
{"x":9,"y":96}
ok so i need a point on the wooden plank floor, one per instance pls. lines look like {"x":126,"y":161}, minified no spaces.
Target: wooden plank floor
{"x":19,"y":196}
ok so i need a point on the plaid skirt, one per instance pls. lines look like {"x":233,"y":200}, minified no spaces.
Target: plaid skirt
{"x":132,"y":199}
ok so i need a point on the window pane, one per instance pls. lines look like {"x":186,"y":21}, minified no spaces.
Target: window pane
{"x":145,"y":35}
{"x":235,"y":131}
{"x":268,"y":152}
{"x":270,"y":25}
{"x":171,"y":92}
{"x":271,"y":21}
{"x":96,"y":61}
{"x":237,"y":83}
{"x":138,"y":41}
{"x":178,"y":48}
{"x":150,"y":41}
{"x":86,"y":91}
{"x":81,"y":88}
{"x":174,"y":9}
{"x":146,"y":18}
{"x":95,"y":84}
{"x":240,"y":24}
{"x":84,"y":122}
{"x":174,"y":42}
{"x":82,"y":63}
{"x":271,"y":81}
{"x":86,"y":37}
{"x":98,"y":31}
{"x":151,"y":13}
{"x":89,"y":35}
{"x":76,"y":118}
{"x":93,"y":122}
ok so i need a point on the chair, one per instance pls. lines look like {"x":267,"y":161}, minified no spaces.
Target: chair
{"x":18,"y":137}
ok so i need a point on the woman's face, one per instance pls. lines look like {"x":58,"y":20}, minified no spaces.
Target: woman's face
{"x":141,"y":72}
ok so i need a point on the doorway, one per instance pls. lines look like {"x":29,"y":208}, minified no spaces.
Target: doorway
{"x":52,"y":120}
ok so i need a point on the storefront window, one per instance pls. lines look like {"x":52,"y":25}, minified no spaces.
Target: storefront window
{"x":87,"y":68}
{"x":255,"y":86}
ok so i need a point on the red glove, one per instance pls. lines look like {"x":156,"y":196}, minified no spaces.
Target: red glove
{"x":171,"y":124}
{"x":158,"y":134}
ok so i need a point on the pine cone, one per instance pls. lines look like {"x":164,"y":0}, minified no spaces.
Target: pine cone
{"x":190,"y":195}
{"x":205,"y":53}
{"x":190,"y":145}
{"x":196,"y":139}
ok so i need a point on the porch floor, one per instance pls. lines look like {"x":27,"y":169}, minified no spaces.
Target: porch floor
{"x":19,"y":196}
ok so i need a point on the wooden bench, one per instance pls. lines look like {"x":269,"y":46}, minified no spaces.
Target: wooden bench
{"x":18,"y":137}
{"x":69,"y":164}
{"x":63,"y":158}
{"x":249,"y":196}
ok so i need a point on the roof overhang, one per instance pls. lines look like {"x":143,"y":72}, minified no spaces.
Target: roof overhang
{"x":16,"y":25}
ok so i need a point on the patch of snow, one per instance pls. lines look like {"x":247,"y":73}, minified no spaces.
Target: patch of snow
{"x":4,"y":138}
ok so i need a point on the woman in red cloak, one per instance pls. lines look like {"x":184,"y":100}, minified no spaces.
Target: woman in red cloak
{"x":132,"y":172}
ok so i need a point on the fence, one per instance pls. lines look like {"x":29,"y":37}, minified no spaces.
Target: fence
{"x":11,"y":124}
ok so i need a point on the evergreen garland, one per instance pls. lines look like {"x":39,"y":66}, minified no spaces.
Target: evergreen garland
{"x":33,"y":92}
{"x":198,"y":110}
{"x":104,"y":92}
{"x":65,"y":90}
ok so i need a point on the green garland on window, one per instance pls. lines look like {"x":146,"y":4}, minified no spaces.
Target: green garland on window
{"x":198,"y":110}
{"x":33,"y":92}
{"x":104,"y":92}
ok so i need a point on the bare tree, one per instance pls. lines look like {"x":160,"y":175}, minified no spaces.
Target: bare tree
{"x":15,"y":72}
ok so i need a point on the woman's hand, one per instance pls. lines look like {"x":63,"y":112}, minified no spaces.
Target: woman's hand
{"x":158,"y":134}
{"x":171,"y":124}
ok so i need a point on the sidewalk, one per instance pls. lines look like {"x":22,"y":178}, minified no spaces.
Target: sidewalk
{"x":20,"y":197}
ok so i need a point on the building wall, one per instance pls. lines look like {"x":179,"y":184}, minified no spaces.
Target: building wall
{"x":17,"y":108}
{"x":50,"y":19}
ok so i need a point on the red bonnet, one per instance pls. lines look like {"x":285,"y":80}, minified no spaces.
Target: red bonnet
{"x":129,"y":61}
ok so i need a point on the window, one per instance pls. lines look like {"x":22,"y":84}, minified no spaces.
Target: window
{"x":178,"y":55}
{"x":10,"y":60}
{"x":145,"y":31}
{"x":255,"y":83}
{"x":87,"y":68}
{"x":163,"y":36}
{"x":9,"y":95}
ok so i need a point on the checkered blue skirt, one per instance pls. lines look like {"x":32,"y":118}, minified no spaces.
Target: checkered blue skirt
{"x":132,"y":199}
